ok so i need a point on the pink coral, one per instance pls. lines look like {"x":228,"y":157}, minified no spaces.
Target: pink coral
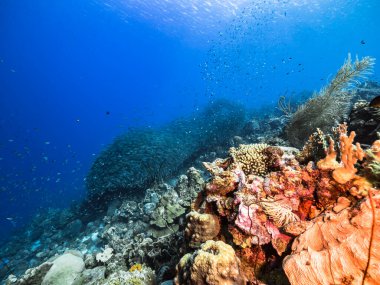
{"x":279,"y":241}
{"x":252,"y":222}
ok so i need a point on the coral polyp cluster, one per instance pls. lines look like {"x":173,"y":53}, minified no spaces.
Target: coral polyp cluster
{"x":251,"y":158}
{"x":260,"y":210}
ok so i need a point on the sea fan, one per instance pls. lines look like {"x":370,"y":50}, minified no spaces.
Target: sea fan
{"x":279,"y":212}
{"x":331,"y":104}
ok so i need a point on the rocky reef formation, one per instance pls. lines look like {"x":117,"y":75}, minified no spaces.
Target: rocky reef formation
{"x":136,"y":241}
{"x":364,"y":117}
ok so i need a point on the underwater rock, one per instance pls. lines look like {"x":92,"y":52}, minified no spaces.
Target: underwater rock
{"x":214,"y":263}
{"x":116,"y":263}
{"x":251,"y":127}
{"x":168,"y":282}
{"x":92,"y":276}
{"x":32,"y":276}
{"x":365,"y":122}
{"x":73,"y":229}
{"x":66,"y":270}
{"x":339,"y":248}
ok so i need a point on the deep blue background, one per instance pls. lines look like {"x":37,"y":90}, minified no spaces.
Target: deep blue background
{"x":66,"y":64}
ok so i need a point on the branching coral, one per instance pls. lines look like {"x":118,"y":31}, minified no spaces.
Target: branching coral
{"x":350,"y":154}
{"x":345,"y":171}
{"x":251,"y":158}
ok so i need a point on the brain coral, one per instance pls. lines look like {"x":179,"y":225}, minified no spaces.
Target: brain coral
{"x":215,"y":263}
{"x":251,"y":157}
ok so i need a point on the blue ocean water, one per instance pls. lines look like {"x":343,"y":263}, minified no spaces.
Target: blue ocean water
{"x":75,"y":74}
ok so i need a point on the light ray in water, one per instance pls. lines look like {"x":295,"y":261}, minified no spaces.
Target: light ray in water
{"x":199,"y":17}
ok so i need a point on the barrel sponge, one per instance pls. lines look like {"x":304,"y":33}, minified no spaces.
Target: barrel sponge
{"x":214,"y":263}
{"x":201,"y":228}
{"x":251,"y":158}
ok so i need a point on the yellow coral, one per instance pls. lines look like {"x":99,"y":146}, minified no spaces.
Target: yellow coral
{"x":136,"y":267}
{"x":251,"y":158}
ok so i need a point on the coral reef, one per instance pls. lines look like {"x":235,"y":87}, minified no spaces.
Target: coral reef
{"x":167,"y":210}
{"x":141,"y":158}
{"x":331,"y":105}
{"x":256,"y":159}
{"x":260,"y":215}
{"x":214,"y":263}
{"x":150,"y":231}
{"x":128,"y":234}
{"x":265,"y":215}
